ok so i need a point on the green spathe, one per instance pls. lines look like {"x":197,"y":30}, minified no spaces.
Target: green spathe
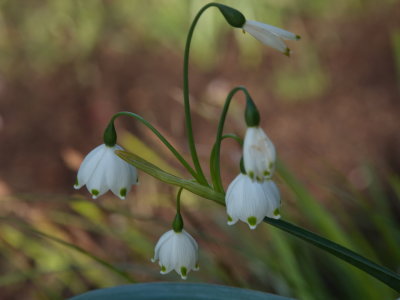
{"x":177,"y":224}
{"x":251,"y":114}
{"x":234,"y":17}
{"x":110,"y":135}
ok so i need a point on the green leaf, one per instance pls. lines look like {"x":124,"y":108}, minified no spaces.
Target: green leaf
{"x":383,"y":274}
{"x":163,"y":176}
{"x":176,"y":291}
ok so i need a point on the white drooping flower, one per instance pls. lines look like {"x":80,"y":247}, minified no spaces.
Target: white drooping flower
{"x":250,"y":201}
{"x":103,"y":170}
{"x":270,"y":35}
{"x":177,"y":251}
{"x":258,"y":154}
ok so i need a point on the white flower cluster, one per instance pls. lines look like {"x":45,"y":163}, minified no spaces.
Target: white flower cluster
{"x":249,"y":198}
{"x":252,"y":196}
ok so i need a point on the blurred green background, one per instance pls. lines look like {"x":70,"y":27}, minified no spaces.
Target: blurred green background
{"x":332,"y":110}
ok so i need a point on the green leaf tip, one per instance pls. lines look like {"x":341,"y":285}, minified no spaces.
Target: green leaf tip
{"x":234,"y":17}
{"x":95,"y":192}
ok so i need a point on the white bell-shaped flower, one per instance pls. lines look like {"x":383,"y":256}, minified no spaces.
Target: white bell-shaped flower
{"x":258,"y":154}
{"x":270,"y":35}
{"x":250,"y":201}
{"x":177,"y":251}
{"x":103,"y":170}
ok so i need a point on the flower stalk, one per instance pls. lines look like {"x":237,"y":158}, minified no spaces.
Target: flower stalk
{"x":176,"y":249}
{"x":215,"y":162}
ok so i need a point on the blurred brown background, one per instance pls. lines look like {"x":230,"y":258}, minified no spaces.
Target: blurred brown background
{"x":332,"y":109}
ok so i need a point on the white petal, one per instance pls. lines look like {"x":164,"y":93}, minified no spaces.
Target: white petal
{"x":287,"y":35}
{"x":97,"y":185}
{"x":250,"y":201}
{"x":177,"y":251}
{"x":255,"y":205}
{"x":265,"y":36}
{"x":259,"y":154}
{"x":89,"y":164}
{"x":102,"y":170}
{"x":232,"y":188}
{"x":191,"y":239}
{"x":272,"y":193}
{"x":160,"y":242}
{"x":235,"y":197}
{"x":120,"y":176}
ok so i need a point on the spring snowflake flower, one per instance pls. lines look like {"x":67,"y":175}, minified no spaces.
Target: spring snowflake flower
{"x":258,"y":154}
{"x":177,"y":251}
{"x":250,"y":201}
{"x":103,"y":170}
{"x":270,"y":35}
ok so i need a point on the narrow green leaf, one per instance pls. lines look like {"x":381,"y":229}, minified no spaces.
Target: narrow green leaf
{"x":106,"y":264}
{"x":22,"y":226}
{"x":163,"y":176}
{"x":176,"y":291}
{"x":383,"y":274}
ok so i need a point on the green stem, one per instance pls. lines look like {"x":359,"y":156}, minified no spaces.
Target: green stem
{"x":214,"y":166}
{"x":188,"y":118}
{"x":177,"y":224}
{"x":162,"y":138}
{"x":233,"y":136}
{"x":215,"y":154}
{"x":178,"y":201}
